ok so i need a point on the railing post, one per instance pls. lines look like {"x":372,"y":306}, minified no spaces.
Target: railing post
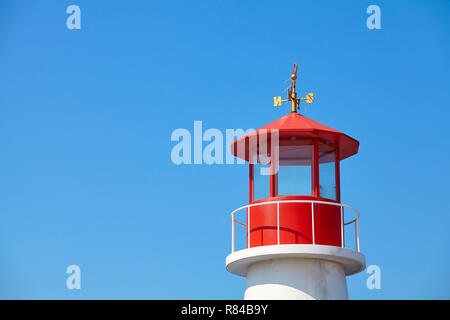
{"x":312,"y":218}
{"x":248,"y":229}
{"x":342,"y":227}
{"x":357,"y":234}
{"x":232,"y":232}
{"x":278,"y":222}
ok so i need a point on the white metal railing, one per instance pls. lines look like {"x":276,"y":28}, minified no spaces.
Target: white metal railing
{"x":249,"y":206}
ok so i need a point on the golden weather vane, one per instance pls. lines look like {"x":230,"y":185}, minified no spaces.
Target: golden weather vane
{"x":292,"y":95}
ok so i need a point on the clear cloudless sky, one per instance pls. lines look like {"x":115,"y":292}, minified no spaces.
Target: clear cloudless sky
{"x":86,"y":117}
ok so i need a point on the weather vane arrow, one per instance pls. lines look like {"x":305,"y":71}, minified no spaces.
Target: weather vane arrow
{"x":292,"y":95}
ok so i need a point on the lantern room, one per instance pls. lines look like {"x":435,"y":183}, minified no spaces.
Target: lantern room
{"x":292,"y":159}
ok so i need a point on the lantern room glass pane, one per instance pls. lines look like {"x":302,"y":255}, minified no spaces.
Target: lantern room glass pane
{"x":261,"y":181}
{"x":327,"y":175}
{"x":295,"y":170}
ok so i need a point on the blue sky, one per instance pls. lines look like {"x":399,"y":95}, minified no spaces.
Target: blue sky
{"x":86,"y":119}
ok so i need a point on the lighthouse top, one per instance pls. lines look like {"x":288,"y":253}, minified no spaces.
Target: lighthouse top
{"x":294,"y":126}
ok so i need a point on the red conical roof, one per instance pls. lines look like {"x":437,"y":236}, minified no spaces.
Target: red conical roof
{"x":299,"y":126}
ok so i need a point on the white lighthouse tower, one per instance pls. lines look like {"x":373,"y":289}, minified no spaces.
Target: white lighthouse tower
{"x":294,"y":226}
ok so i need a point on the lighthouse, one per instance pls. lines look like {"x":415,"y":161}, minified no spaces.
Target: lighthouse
{"x":297,"y":240}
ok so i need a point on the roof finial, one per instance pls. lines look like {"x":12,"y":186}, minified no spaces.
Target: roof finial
{"x":292,"y":94}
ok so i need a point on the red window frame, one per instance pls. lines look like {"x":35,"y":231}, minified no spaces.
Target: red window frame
{"x":314,"y":176}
